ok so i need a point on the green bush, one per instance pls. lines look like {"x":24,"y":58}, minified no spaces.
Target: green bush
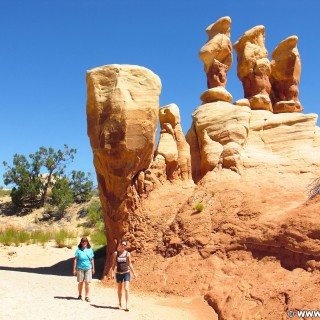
{"x":65,"y":238}
{"x":82,"y":186}
{"x":199,"y":207}
{"x":41,"y":237}
{"x":86,"y":232}
{"x":98,"y":238}
{"x":62,"y":196}
{"x":13,"y":236}
{"x":95,"y":215}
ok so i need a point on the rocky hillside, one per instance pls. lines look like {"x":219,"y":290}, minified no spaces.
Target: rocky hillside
{"x":251,"y":247}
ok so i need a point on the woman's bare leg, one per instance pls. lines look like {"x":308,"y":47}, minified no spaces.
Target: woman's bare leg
{"x":126,"y":289}
{"x":87,"y":288}
{"x":120,"y":293}
{"x":80,"y":285}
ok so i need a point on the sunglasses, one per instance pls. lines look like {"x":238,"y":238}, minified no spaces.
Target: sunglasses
{"x":123,"y":244}
{"x":84,"y":241}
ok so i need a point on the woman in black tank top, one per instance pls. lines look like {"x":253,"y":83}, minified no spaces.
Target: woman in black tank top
{"x":122,"y":261}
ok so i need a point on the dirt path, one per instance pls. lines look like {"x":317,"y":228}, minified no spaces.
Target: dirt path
{"x":36,"y":283}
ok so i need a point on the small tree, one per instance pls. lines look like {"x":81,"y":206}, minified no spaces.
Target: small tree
{"x":82,"y":186}
{"x":55,"y":163}
{"x":32,"y":179}
{"x":62,"y":195}
{"x":26,"y":177}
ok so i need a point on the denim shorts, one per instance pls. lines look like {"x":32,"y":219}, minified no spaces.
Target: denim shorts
{"x":123,"y":277}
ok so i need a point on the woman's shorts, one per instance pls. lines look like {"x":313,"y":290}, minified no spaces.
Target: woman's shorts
{"x":84,"y":275}
{"x":123,"y":277}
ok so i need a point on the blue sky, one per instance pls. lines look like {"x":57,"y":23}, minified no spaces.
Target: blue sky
{"x":47,"y":47}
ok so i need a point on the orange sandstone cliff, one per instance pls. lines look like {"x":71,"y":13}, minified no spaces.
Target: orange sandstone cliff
{"x":221,"y":212}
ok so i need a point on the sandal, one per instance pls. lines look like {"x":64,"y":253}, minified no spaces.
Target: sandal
{"x":126,"y":309}
{"x":79,"y":298}
{"x":87,"y":299}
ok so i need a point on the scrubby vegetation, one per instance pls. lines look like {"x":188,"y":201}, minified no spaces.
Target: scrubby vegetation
{"x":41,"y":181}
{"x":15,"y":236}
{"x":95,"y":215}
{"x":199,"y":207}
{"x":65,"y":238}
{"x":4,"y":192}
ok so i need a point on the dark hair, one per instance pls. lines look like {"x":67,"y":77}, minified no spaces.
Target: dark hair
{"x":84,"y":239}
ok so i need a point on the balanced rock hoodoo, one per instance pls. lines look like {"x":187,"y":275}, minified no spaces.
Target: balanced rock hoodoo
{"x":252,"y":249}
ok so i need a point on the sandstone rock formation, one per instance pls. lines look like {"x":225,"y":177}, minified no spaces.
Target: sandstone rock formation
{"x":227,"y":136}
{"x":285,"y":76}
{"x":254,"y":68}
{"x":216,"y":55}
{"x":173,"y":146}
{"x":252,"y":251}
{"x":122,"y":116}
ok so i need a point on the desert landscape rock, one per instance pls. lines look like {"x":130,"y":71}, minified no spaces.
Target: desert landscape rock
{"x":172,"y":145}
{"x":216,"y":55}
{"x":253,"y":68}
{"x":252,"y":250}
{"x":122,"y":115}
{"x":285,"y":76}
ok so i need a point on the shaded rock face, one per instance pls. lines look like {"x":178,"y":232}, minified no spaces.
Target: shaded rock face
{"x":285,"y":76}
{"x":173,"y":146}
{"x":122,"y":115}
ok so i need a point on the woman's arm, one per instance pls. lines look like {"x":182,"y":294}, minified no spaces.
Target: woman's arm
{"x":92,"y":263}
{"x":114,"y":263}
{"x":131,"y":266}
{"x":75,"y":266}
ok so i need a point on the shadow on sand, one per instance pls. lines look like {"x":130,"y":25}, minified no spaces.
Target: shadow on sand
{"x":66,"y":298}
{"x":104,"y":307}
{"x":62,"y":268}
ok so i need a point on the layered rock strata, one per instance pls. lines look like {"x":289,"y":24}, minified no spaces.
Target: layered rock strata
{"x":228,"y":136}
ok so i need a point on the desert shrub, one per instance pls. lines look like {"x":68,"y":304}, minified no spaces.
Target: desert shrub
{"x":15,"y":236}
{"x":95,"y":215}
{"x":98,"y":238}
{"x":42,"y":237}
{"x":86,"y":232}
{"x":199,"y":207}
{"x":65,"y":238}
{"x":4,"y":192}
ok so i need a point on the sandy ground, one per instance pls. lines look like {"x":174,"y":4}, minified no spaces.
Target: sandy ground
{"x":36,"y":283}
